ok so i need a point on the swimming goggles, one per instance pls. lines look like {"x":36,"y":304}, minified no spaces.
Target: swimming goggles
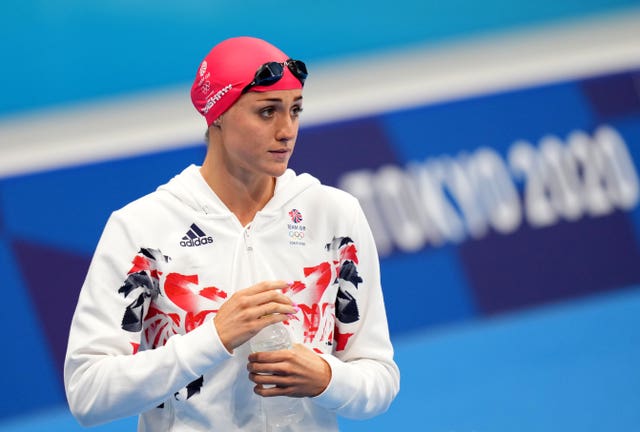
{"x":271,"y":72}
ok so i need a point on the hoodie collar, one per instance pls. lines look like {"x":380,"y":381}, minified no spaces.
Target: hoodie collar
{"x":191,"y":188}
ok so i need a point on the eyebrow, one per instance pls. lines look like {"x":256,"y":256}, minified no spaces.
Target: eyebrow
{"x":299,"y":98}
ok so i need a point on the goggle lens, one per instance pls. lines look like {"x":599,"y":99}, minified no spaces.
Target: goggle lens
{"x":270,"y":73}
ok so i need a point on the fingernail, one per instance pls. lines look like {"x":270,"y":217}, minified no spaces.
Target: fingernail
{"x":290,"y":283}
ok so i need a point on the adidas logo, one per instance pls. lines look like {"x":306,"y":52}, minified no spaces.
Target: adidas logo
{"x":195,"y":237}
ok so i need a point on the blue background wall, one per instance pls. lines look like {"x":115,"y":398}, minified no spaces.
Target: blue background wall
{"x":530,"y":328}
{"x":72,"y":50}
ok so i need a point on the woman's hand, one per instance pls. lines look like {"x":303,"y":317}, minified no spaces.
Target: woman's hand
{"x":296,"y":372}
{"x":250,"y":310}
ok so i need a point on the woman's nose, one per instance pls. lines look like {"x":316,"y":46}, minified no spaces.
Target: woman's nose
{"x":287,"y":128}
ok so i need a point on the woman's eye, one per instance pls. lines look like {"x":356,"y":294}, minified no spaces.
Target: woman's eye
{"x":267,"y":112}
{"x":295,"y":111}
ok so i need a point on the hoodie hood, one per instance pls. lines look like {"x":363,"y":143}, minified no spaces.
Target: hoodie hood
{"x":190,"y":187}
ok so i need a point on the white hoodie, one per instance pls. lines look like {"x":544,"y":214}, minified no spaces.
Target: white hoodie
{"x":142,"y":340}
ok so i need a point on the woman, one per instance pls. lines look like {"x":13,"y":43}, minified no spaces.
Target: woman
{"x":184,"y":277}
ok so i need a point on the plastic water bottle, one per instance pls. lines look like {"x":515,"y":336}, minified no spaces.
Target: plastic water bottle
{"x":280,"y":410}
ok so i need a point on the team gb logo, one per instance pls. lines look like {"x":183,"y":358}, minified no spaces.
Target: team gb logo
{"x":296,"y":216}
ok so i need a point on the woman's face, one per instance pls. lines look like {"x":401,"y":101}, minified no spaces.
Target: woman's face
{"x":259,"y":132}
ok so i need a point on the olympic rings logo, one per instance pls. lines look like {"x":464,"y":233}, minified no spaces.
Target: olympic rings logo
{"x":296,"y":234}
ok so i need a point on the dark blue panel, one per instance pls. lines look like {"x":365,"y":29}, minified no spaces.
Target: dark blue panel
{"x":425,"y":289}
{"x":53,"y":279}
{"x":629,"y":127}
{"x":29,"y":379}
{"x":614,"y":96}
{"x":328,"y":151}
{"x":494,"y":121}
{"x":534,"y":266}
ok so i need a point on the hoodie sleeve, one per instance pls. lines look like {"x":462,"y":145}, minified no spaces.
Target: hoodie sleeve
{"x":365,"y":378}
{"x":105,"y":379}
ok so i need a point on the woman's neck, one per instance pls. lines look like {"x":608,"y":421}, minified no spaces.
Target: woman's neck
{"x":244,"y":197}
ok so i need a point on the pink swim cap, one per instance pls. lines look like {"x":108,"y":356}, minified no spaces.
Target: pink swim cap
{"x":228,"y":68}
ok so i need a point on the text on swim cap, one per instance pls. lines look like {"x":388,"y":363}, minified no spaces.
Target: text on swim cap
{"x":215,"y":98}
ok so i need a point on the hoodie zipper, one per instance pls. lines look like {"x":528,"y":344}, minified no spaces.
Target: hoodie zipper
{"x":248,"y":247}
